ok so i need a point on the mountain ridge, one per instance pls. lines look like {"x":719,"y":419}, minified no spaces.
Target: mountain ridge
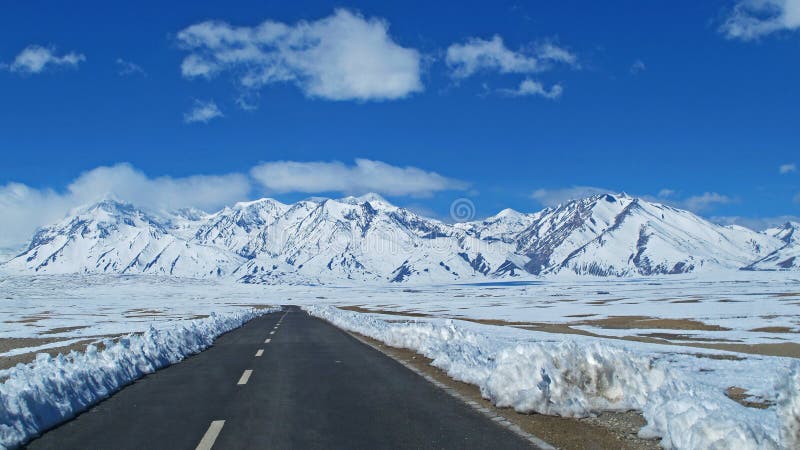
{"x":369,"y":239}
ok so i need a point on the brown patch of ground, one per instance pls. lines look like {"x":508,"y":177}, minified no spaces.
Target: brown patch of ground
{"x":788,"y":294}
{"x":741,"y":396}
{"x":33,"y":318}
{"x":64,"y":329}
{"x":7,"y":344}
{"x":683,"y":337}
{"x":606,"y":431}
{"x":7,"y":362}
{"x":724,"y":357}
{"x":774,"y":330}
{"x":644,"y":322}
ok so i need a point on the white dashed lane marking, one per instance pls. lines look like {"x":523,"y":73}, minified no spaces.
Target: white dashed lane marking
{"x":260,"y":352}
{"x":245,"y":376}
{"x":267,"y":341}
{"x":211,"y":435}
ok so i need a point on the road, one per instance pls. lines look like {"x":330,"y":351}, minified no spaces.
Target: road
{"x":284,"y":380}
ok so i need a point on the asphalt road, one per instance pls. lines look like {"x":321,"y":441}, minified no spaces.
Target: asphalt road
{"x":311,"y":386}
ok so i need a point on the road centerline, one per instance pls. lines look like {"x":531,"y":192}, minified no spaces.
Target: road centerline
{"x":245,"y":377}
{"x":211,"y":435}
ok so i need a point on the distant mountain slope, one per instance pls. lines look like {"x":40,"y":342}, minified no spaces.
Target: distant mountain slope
{"x":353,"y":238}
{"x":369,"y":239}
{"x":635,"y":237}
{"x":620,"y":235}
{"x":115,"y":237}
{"x":787,"y":257}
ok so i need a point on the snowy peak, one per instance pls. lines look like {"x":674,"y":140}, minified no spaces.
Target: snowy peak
{"x":116,"y":237}
{"x":787,"y":257}
{"x":556,"y":233}
{"x":504,"y":226}
{"x":372,"y":198}
{"x":788,"y":232}
{"x":368,"y":239}
{"x":620,"y":235}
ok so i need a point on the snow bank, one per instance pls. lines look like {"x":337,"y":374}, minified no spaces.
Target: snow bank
{"x":578,"y":378}
{"x":789,"y":411}
{"x":50,"y":390}
{"x":690,"y":415}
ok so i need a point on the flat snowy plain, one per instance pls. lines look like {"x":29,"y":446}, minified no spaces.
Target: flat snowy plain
{"x":671,"y":347}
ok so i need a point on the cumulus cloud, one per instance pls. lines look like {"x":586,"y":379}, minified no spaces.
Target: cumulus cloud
{"x":23,"y":208}
{"x":478,"y":54}
{"x":555,"y":197}
{"x":344,"y":56}
{"x":202,"y":111}
{"x":127,"y":68}
{"x":365,"y":176}
{"x":529,"y":87}
{"x":704,"y":201}
{"x":664,"y":193}
{"x":36,"y":59}
{"x":787,"y":168}
{"x":752,"y":19}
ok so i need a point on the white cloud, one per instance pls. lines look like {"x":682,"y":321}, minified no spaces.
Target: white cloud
{"x":478,"y":54}
{"x":752,"y":19}
{"x":126,"y":68}
{"x":202,"y":111}
{"x":344,"y":56}
{"x":664,"y":193}
{"x":704,"y":202}
{"x":638,"y":67}
{"x":365,"y":176}
{"x":787,"y":168}
{"x":555,"y":197}
{"x":23,"y":208}
{"x":529,"y":87}
{"x":35,"y":59}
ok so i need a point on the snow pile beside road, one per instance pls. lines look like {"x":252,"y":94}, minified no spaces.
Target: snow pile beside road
{"x":37,"y":396}
{"x":577,"y":378}
{"x":789,"y":410}
{"x":690,"y":415}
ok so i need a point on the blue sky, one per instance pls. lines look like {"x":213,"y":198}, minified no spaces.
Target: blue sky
{"x":509,"y":104}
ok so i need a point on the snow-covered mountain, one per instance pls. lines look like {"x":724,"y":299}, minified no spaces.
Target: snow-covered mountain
{"x":116,"y":237}
{"x":351,"y":238}
{"x":368,"y":238}
{"x":621,"y":235}
{"x":787,"y":257}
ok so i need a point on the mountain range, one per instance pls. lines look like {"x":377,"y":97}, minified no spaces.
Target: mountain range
{"x":369,"y":239}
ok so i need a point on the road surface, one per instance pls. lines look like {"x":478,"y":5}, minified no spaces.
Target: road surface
{"x":284,"y":380}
